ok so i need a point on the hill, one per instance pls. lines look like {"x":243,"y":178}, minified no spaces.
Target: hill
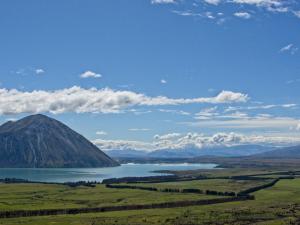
{"x":38,"y":141}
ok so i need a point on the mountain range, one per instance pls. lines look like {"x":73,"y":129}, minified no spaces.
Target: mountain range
{"x":292,"y":152}
{"x":220,"y":151}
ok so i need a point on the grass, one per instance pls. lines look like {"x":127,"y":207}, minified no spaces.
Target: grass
{"x":210,"y":184}
{"x":277,"y":205}
{"x":48,"y":196}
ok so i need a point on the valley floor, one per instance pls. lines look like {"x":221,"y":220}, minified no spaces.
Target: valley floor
{"x":278,"y":203}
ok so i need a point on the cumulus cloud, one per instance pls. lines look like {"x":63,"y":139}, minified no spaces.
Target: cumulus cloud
{"x":39,"y":71}
{"x":93,"y":100}
{"x":194,"y":140}
{"x":243,"y":15}
{"x":163,"y":81}
{"x":90,"y":74}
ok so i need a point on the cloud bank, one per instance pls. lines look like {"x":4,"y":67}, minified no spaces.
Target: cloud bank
{"x":93,"y":100}
{"x":194,"y":140}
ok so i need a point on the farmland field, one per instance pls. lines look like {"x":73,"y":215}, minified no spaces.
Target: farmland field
{"x":279,"y":204}
{"x":49,"y":196}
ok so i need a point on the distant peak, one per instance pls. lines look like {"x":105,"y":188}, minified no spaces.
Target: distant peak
{"x":37,"y":117}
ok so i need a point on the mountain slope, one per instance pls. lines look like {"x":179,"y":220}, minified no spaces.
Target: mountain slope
{"x":284,"y":153}
{"x":38,"y":141}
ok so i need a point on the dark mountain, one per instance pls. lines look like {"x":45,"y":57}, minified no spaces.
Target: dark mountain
{"x":38,"y":141}
{"x":292,"y":152}
{"x":239,"y":150}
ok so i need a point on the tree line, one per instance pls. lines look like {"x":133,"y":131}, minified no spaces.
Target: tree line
{"x":173,"y":190}
{"x":50,"y":212}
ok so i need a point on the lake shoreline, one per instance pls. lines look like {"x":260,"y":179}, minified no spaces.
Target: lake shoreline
{"x":63,"y":175}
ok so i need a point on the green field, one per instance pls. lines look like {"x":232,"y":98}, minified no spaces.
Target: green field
{"x":277,"y":205}
{"x":209,"y":184}
{"x":49,"y":196}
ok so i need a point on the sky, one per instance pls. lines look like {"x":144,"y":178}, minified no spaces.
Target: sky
{"x":155,"y":74}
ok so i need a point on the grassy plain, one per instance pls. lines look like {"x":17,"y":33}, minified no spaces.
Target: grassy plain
{"x":222,"y":185}
{"x":277,"y":205}
{"x":49,"y":196}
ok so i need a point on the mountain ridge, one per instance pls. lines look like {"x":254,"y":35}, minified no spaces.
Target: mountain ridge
{"x":291,"y":152}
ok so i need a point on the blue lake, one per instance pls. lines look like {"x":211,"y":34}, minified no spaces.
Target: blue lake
{"x":96,"y":174}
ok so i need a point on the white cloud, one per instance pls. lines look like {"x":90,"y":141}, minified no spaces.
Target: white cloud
{"x":187,"y":13}
{"x":209,"y":15}
{"x":213,"y":2}
{"x":139,"y":129}
{"x":277,"y":6}
{"x":90,"y":74}
{"x":195,"y":140}
{"x":244,"y":121}
{"x":163,"y":1}
{"x":271,"y":6}
{"x":93,"y":100}
{"x":139,"y":112}
{"x":123,"y":145}
{"x":261,"y":3}
{"x":163,"y":81}
{"x":297,"y":13}
{"x":29,"y":71}
{"x":293,"y":81}
{"x":179,"y":112}
{"x":289,"y":48}
{"x":207,"y":113}
{"x":236,"y":115}
{"x":236,"y":108}
{"x":228,"y":96}
{"x":298,"y":126}
{"x":11,"y":119}
{"x":167,"y":136}
{"x":286,"y":48}
{"x":101,"y":132}
{"x":39,"y":71}
{"x":243,"y":15}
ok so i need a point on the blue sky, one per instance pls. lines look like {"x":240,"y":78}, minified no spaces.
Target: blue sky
{"x":155,"y":74}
